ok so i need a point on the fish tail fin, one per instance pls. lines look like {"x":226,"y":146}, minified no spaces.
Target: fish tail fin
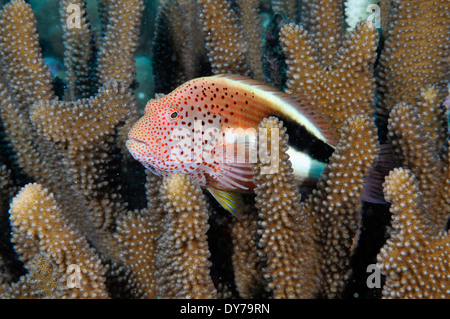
{"x":373,"y":184}
{"x":231,"y":201}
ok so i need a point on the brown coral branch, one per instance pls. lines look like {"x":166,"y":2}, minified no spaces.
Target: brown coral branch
{"x":335,"y":206}
{"x":182,"y":251}
{"x":137,"y":234}
{"x":50,"y":248}
{"x":412,"y":144}
{"x":432,"y":115}
{"x":286,"y":8}
{"x":346,"y":85}
{"x":225,"y":42}
{"x":415,"y":260}
{"x":178,"y":30}
{"x":247,"y":265}
{"x":116,"y":56}
{"x":23,"y":64}
{"x":323,"y":20}
{"x":84,"y":132}
{"x":415,"y":52}
{"x":252,"y":32}
{"x":286,"y":236}
{"x":79,"y":53}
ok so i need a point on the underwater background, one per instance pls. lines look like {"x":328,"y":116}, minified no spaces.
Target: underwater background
{"x":80,"y":218}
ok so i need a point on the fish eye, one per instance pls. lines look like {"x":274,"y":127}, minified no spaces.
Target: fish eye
{"x":173,"y":114}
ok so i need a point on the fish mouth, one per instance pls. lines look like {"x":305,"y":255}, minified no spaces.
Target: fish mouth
{"x":136,"y":140}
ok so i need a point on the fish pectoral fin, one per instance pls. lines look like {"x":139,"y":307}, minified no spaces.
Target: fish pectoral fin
{"x":231,"y":201}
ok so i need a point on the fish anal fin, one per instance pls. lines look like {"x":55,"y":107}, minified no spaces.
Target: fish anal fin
{"x":231,"y":201}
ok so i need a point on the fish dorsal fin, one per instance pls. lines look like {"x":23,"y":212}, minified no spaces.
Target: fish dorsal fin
{"x":298,"y":107}
{"x":310,"y":110}
{"x":231,"y":201}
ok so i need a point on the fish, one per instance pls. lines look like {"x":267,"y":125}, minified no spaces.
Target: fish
{"x":206,"y":129}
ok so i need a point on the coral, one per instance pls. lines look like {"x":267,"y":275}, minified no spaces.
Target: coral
{"x":406,"y":64}
{"x":317,"y":233}
{"x":178,"y":37}
{"x":227,"y":51}
{"x":323,"y":20}
{"x":286,"y":236}
{"x":49,"y":247}
{"x":79,"y":57}
{"x":286,"y":8}
{"x":136,"y":234}
{"x":432,"y":116}
{"x":413,"y":144}
{"x":17,"y":20}
{"x":415,"y":259}
{"x":252,"y":31}
{"x":120,"y":39}
{"x":182,"y":252}
{"x":341,"y":87}
{"x":84,"y":201}
{"x":335,"y":206}
{"x":246,"y":262}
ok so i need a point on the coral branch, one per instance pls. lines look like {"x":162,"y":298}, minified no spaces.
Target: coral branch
{"x":50,"y":248}
{"x":116,"y":57}
{"x":323,"y":20}
{"x":406,"y":64}
{"x":246,"y":262}
{"x":182,"y":252}
{"x":79,"y":54}
{"x":412,"y":145}
{"x":225,"y":42}
{"x":344,"y":87}
{"x":22,"y":60}
{"x":251,"y":29}
{"x":415,"y":260}
{"x":287,"y":245}
{"x":335,"y":206}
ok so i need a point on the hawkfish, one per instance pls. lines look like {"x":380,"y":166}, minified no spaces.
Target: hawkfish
{"x":206,"y":129}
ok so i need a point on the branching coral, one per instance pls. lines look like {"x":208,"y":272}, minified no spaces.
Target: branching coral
{"x":303,"y":244}
{"x":286,"y":8}
{"x":415,"y":259}
{"x":247,"y":265}
{"x":286,"y":235}
{"x":335,"y":207}
{"x":417,"y":152}
{"x":177,"y":35}
{"x":323,"y":20}
{"x":163,"y":239}
{"x":136,"y":234}
{"x":233,"y":40}
{"x":52,"y":251}
{"x":182,"y":252}
{"x":120,"y":39}
{"x":224,"y":38}
{"x":80,"y":53}
{"x":415,"y":52}
{"x":342,"y":84}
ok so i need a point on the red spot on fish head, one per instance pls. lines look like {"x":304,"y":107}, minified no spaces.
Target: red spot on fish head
{"x":155,"y":138}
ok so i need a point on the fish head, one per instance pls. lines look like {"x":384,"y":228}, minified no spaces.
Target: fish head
{"x":162,"y":139}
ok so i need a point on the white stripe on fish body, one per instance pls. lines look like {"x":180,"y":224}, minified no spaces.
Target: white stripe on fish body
{"x":305,"y":168}
{"x":279,"y":104}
